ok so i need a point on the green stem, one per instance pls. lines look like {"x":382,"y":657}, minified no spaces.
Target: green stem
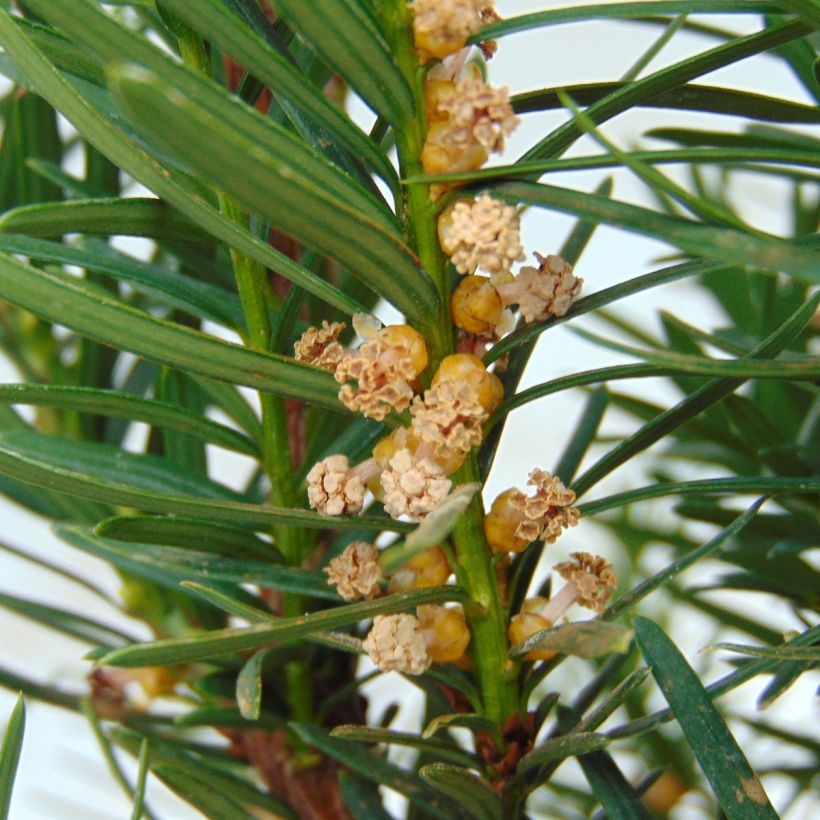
{"x":417,"y":211}
{"x":252,"y":283}
{"x":254,"y":294}
{"x":496,"y":674}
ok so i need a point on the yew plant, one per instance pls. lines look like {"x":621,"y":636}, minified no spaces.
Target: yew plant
{"x":361,"y":546}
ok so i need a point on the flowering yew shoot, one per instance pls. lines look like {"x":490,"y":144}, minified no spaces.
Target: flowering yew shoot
{"x":290,"y":302}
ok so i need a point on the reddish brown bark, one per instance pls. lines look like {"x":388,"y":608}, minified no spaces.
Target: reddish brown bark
{"x":518,"y":736}
{"x":314,"y":793}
